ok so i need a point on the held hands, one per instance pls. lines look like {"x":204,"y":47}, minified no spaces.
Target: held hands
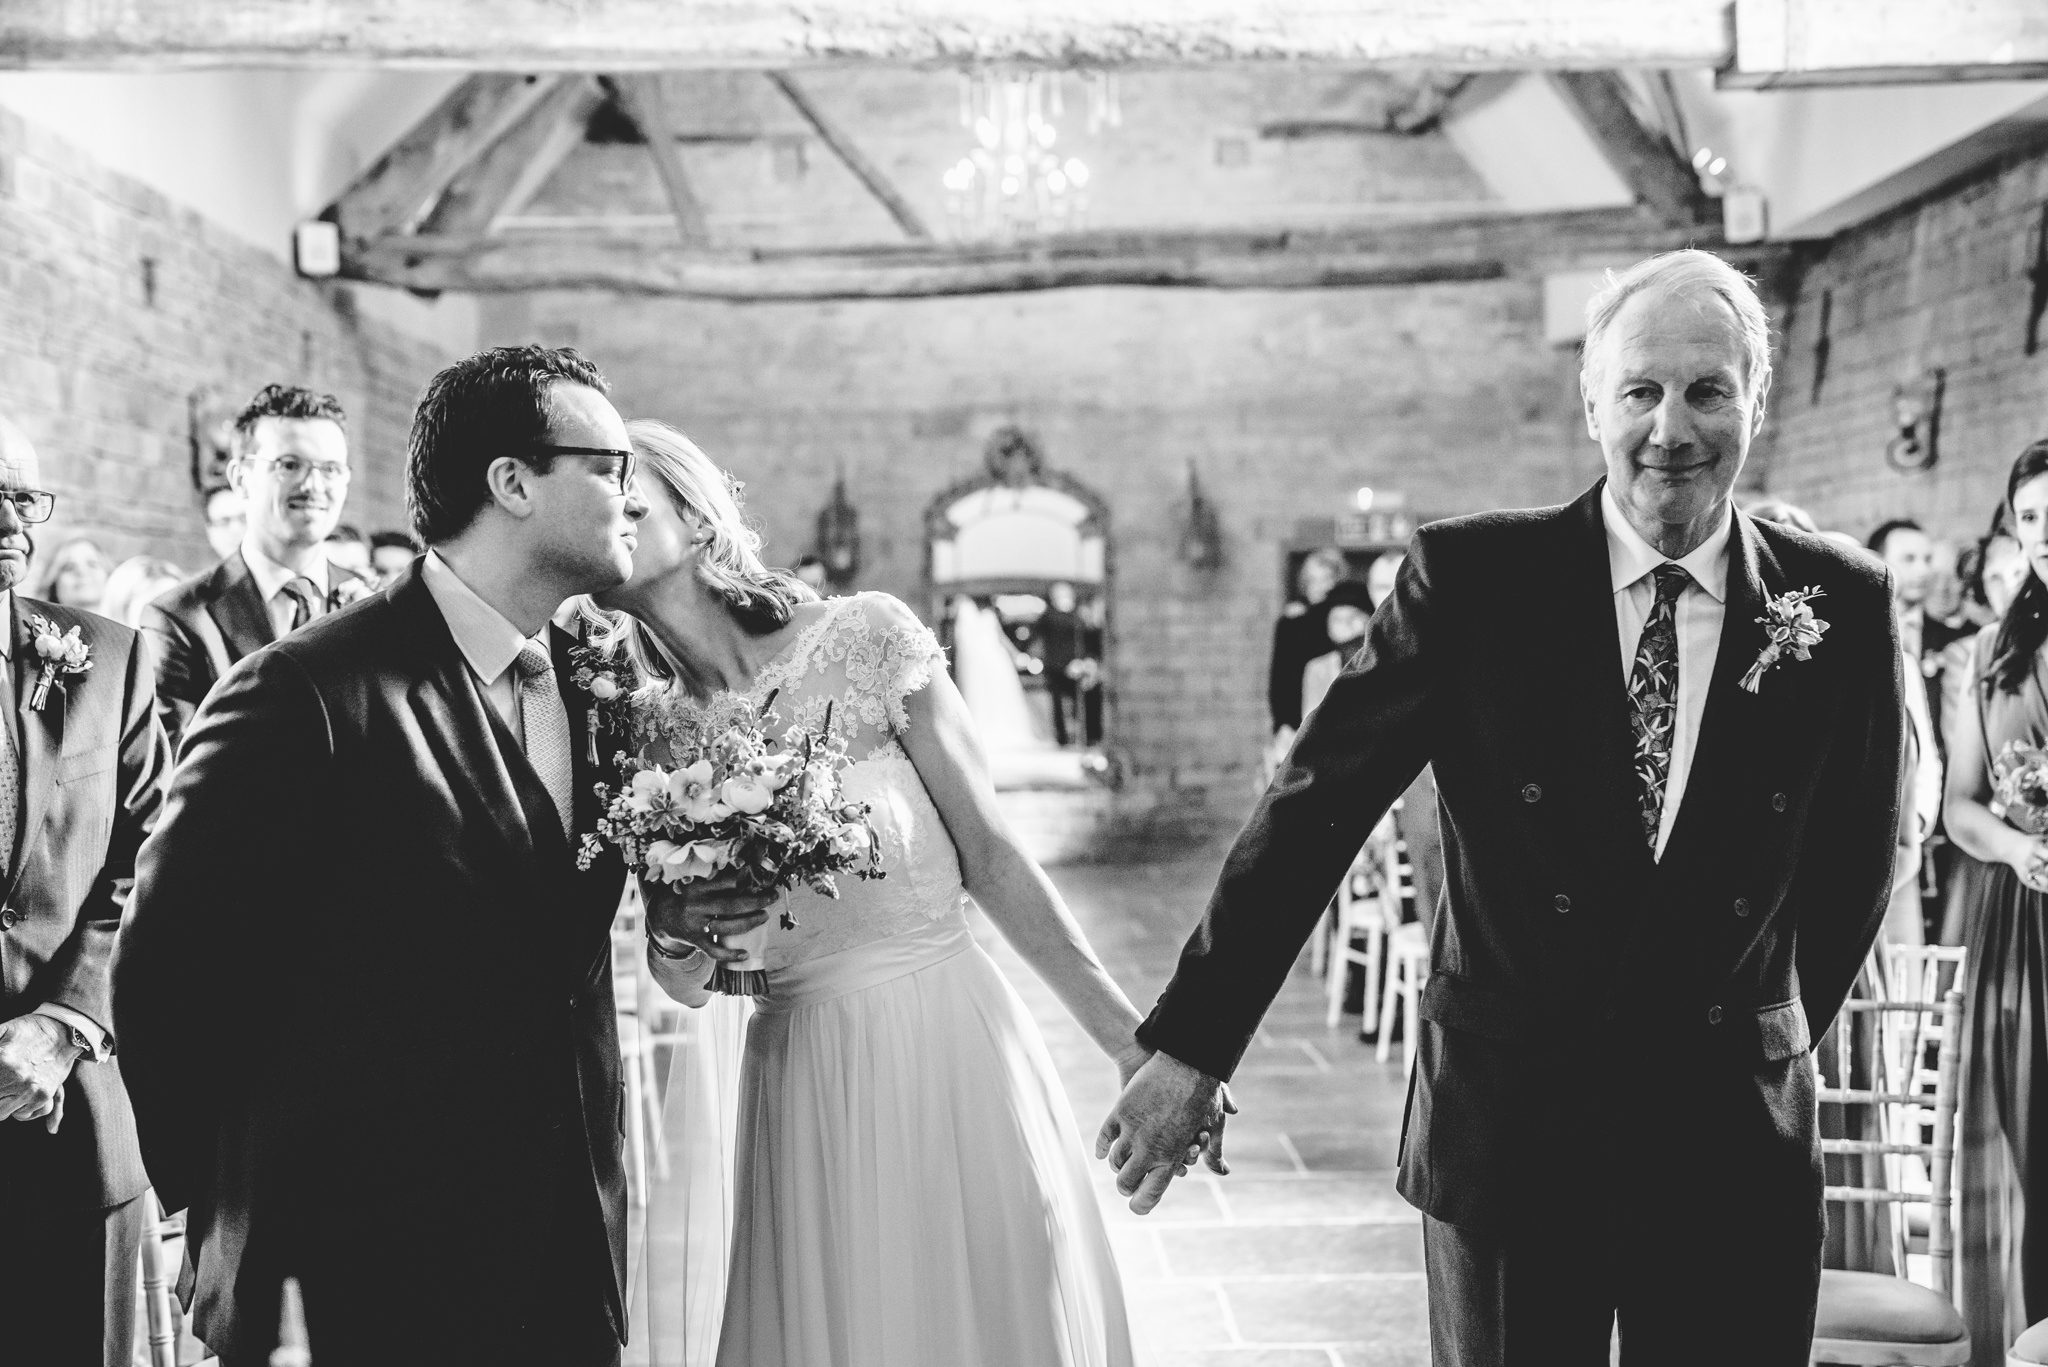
{"x":1168,"y":1115}
{"x":36,"y":1054}
{"x":699,"y":913}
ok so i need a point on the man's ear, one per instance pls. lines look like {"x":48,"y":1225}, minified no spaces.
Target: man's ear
{"x":238,"y":473}
{"x":1763,"y":397}
{"x":510,"y":483}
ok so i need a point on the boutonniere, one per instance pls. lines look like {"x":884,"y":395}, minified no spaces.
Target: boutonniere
{"x":348,"y":591}
{"x":610,"y":681}
{"x":63,"y":655}
{"x":1793,"y":630}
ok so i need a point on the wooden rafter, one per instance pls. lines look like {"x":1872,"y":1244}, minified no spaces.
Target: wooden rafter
{"x":515,"y":166}
{"x":641,"y":96}
{"x":404,"y":183}
{"x":1651,"y":167}
{"x":1477,"y":247}
{"x":849,"y":154}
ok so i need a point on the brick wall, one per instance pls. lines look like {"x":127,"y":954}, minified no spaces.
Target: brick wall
{"x":1284,"y":402}
{"x":1942,"y":282}
{"x":100,"y":351}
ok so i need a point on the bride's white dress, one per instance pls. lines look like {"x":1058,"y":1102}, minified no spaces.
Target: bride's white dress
{"x":909,"y":1186}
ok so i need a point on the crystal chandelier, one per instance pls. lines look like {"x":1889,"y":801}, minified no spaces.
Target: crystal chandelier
{"x":1016,"y":181}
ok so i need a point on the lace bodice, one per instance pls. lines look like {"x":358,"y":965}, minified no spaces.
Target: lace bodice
{"x":862,"y":658}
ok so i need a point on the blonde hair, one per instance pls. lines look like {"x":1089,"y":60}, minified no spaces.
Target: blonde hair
{"x":759,"y":597}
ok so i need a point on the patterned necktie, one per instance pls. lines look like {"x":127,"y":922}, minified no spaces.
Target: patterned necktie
{"x":305,"y":596}
{"x":10,"y":772}
{"x":1653,"y":698}
{"x":546,"y":722}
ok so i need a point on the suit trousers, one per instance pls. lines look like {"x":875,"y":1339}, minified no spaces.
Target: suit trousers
{"x":70,"y":1284}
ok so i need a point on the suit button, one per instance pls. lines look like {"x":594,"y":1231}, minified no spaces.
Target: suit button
{"x":1713,"y":1015}
{"x":1778,"y":802}
{"x":9,"y":919}
{"x":1561,"y":902}
{"x":1742,"y":906}
{"x":1531,"y":793}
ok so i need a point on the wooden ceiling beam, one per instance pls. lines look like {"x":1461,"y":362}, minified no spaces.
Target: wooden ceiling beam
{"x":647,"y":106}
{"x":621,"y":35}
{"x":403,"y":184}
{"x":850,"y":155}
{"x":1795,"y":43}
{"x":515,"y":166}
{"x":1647,"y":163}
{"x":1478,"y":247}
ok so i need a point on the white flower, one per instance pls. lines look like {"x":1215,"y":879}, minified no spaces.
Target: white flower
{"x":849,"y":840}
{"x":780,"y":770}
{"x":646,"y":788}
{"x":674,"y":863}
{"x":691,"y":789}
{"x":751,"y":793}
{"x":603,"y":688}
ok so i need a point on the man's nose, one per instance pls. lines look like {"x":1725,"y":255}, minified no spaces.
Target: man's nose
{"x":10,"y":517}
{"x":1671,"y":424}
{"x":636,"y":506}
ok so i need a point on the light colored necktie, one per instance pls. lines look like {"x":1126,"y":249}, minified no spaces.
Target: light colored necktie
{"x":305,"y":596}
{"x":546,"y":723}
{"x":1653,"y":698}
{"x":10,"y":772}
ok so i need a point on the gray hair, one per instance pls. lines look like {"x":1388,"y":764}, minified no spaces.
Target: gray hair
{"x":1689,"y":271}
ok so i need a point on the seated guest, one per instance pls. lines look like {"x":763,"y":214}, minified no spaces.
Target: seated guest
{"x":1347,"y":612}
{"x":1298,"y":638}
{"x":81,"y":769}
{"x":226,"y":520}
{"x":390,"y":554}
{"x":348,"y":548}
{"x":133,"y":584}
{"x":77,"y":574}
{"x":291,"y":465}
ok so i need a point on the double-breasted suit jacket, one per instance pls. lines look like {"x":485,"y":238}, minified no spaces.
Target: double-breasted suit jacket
{"x":375,"y":1043}
{"x":1566,"y":962}
{"x":93,"y":762}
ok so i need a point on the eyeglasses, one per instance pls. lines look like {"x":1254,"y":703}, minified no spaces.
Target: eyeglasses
{"x":293,"y":470}
{"x":597,"y":453}
{"x":30,"y":505}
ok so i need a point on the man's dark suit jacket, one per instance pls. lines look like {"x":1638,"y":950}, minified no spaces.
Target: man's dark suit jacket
{"x":200,"y":629}
{"x":92,"y":768}
{"x":1559,"y":947}
{"x":370,"y":1005}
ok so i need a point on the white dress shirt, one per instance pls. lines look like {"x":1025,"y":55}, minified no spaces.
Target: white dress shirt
{"x":487,"y":641}
{"x":271,"y":579}
{"x":1700,"y":609}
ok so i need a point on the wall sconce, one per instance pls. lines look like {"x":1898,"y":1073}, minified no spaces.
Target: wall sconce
{"x":1201,"y":540}
{"x":839,"y":535}
{"x":1916,"y":411}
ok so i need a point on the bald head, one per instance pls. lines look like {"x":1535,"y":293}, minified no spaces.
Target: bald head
{"x":19,"y":470}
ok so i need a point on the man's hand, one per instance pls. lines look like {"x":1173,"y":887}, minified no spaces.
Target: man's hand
{"x":700,"y":912}
{"x":1167,"y":1111}
{"x":36,"y":1054}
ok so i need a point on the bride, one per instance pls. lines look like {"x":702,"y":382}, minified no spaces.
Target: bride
{"x":909,"y":1187}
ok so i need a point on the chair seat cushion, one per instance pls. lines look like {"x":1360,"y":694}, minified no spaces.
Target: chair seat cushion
{"x":2031,"y":1346}
{"x":1868,"y":1307}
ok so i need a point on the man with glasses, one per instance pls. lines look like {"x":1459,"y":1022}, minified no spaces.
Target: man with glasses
{"x":369,"y":987}
{"x":81,"y":775}
{"x":291,"y":468}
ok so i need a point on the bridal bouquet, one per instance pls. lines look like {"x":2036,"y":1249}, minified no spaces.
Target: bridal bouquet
{"x":2019,"y":786}
{"x":730,"y":798}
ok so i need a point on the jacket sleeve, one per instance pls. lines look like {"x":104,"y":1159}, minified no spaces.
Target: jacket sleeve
{"x":1843,"y":884}
{"x":81,"y":971}
{"x":1283,"y":678}
{"x":184,"y":674}
{"x":195,"y":962}
{"x":1358,"y":752}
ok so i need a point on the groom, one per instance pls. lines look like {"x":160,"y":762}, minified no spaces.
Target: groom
{"x":1658,"y":883}
{"x":363,"y":993}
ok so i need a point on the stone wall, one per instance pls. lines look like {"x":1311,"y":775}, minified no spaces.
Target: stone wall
{"x":1942,"y":282}
{"x":1283,"y":402}
{"x":116,"y":304}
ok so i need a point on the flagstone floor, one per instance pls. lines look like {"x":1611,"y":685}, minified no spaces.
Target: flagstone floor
{"x":1304,"y":1256}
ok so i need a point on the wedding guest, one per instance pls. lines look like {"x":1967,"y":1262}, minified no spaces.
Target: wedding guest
{"x":1380,"y":576}
{"x":1347,"y":612}
{"x":226,"y":519}
{"x":2002,"y":1261}
{"x":1298,"y":637}
{"x":1072,"y":654}
{"x":1908,"y":553}
{"x":71,"y":1176}
{"x":76,"y":575}
{"x":291,"y":466}
{"x":348,"y":548}
{"x":391,"y":554}
{"x":1783,"y":514}
{"x":133,"y":584}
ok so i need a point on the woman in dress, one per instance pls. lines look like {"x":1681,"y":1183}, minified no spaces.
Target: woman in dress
{"x":2003,"y":1267}
{"x":910,"y":1189}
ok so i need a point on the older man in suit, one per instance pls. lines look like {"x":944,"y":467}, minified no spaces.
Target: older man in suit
{"x":291,"y":468}
{"x":1667,"y":843}
{"x":81,"y":774}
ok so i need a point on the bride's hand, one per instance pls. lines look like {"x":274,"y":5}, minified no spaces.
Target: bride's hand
{"x":700,"y":913}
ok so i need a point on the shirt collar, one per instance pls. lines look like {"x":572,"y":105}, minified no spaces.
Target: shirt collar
{"x":1629,"y":557}
{"x":485,"y":638}
{"x":271,"y":576}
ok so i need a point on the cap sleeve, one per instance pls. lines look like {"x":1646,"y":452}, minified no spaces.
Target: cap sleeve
{"x":902,"y":656}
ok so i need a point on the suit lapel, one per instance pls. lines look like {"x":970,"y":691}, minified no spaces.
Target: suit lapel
{"x":41,"y":733}
{"x":238,"y":609}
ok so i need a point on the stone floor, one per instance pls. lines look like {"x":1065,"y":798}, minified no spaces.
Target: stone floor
{"x":1304,"y":1256}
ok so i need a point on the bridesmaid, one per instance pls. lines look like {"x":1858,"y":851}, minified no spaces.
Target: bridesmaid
{"x":2003,"y":1267}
